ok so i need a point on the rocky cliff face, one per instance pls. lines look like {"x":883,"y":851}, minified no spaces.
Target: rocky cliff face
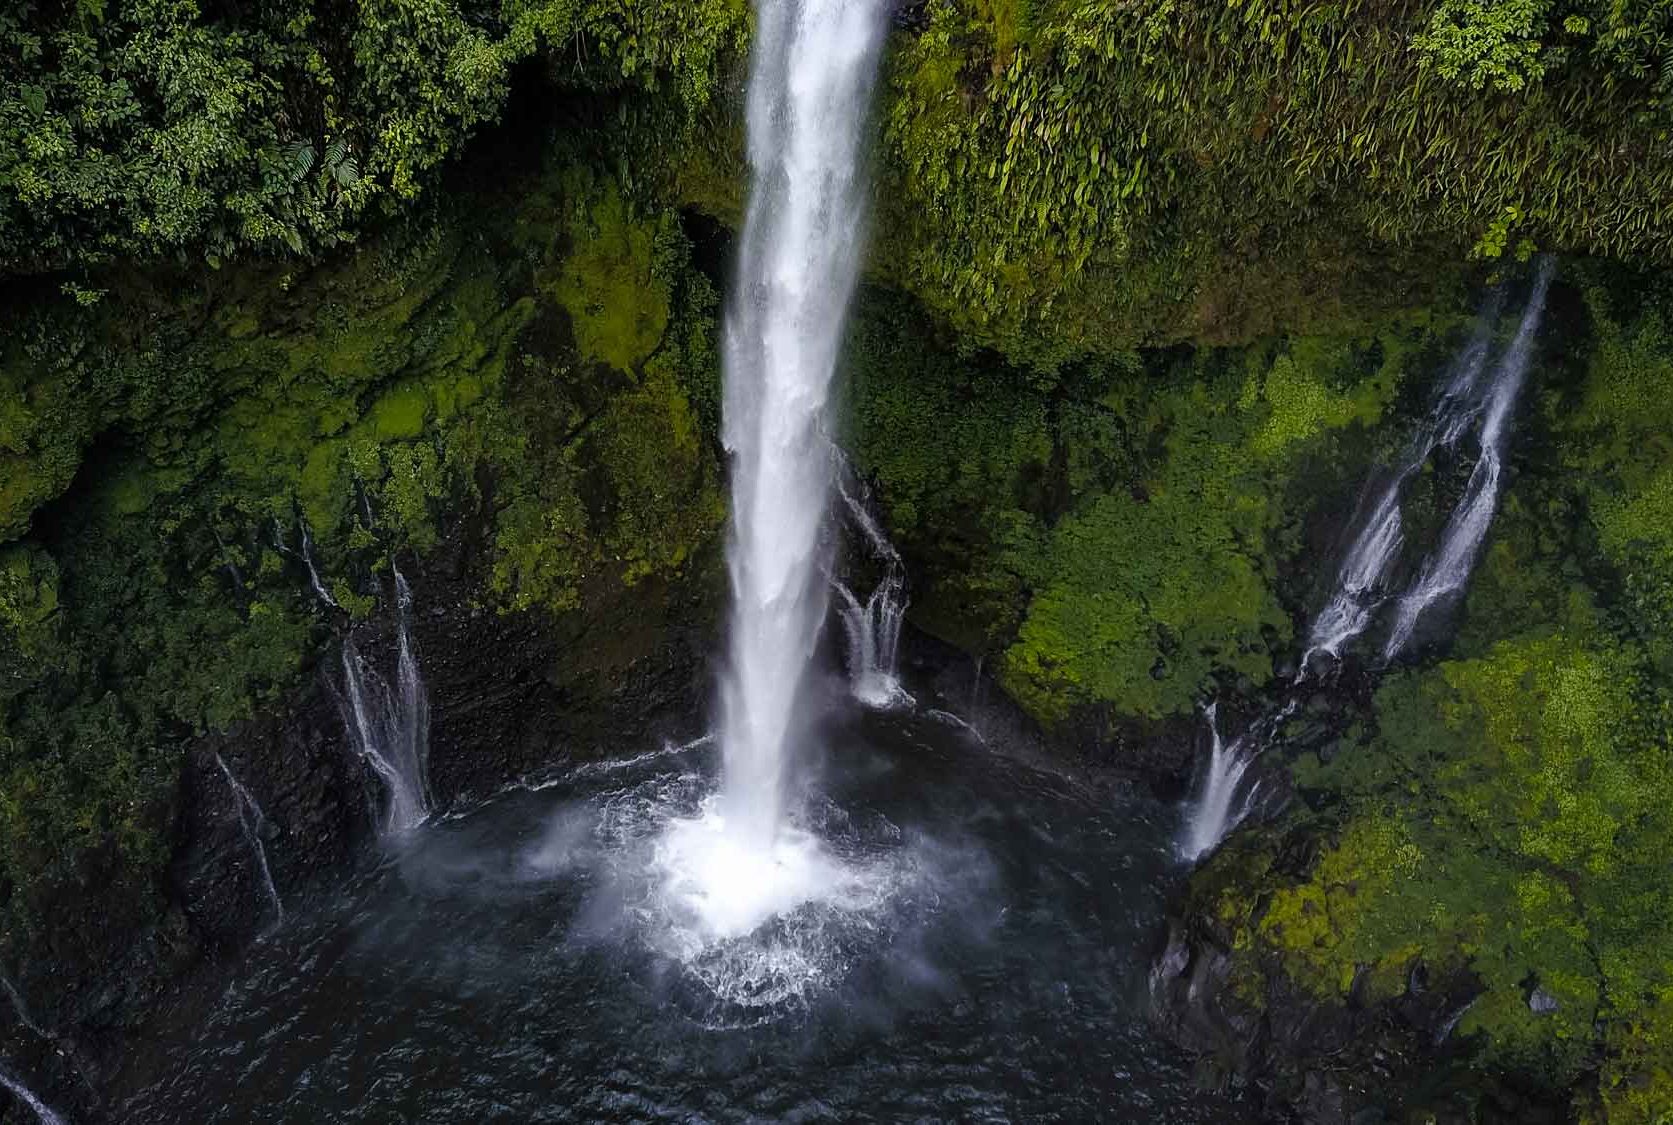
{"x":509,"y":695}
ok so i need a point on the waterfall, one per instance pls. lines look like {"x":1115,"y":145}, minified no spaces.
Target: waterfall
{"x":306,"y":557}
{"x":873,"y":629}
{"x":251,"y":820}
{"x":27,"y":1096}
{"x":873,"y":626}
{"x":1361,"y":583}
{"x":313,"y":571}
{"x":1362,"y":586}
{"x":1222,"y":801}
{"x":810,"y":85}
{"x":390,"y":727}
{"x":1447,"y":570}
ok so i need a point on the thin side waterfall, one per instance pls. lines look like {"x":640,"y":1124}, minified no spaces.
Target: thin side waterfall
{"x":1222,"y":801}
{"x":27,"y":1096}
{"x":1361,"y":585}
{"x":306,"y":557}
{"x":64,"y":1048}
{"x":873,"y":627}
{"x":390,"y":726}
{"x":1447,"y":570}
{"x":1223,"y":798}
{"x":873,"y":631}
{"x":814,"y":66}
{"x":251,"y":820}
{"x":313,"y":572}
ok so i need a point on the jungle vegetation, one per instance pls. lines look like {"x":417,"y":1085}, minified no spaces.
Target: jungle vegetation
{"x":1151,"y":285}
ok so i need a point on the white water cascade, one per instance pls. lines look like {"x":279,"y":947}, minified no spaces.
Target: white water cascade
{"x":390,"y":726}
{"x":1222,"y":801}
{"x":872,"y":627}
{"x":27,"y":1096}
{"x":1362,"y":587}
{"x":306,"y":557}
{"x":1223,"y":798}
{"x":1447,"y":570}
{"x":873,"y":632}
{"x":814,"y":64}
{"x":1361,"y":582}
{"x":251,"y":820}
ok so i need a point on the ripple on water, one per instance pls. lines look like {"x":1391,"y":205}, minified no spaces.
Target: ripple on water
{"x":941,"y":934}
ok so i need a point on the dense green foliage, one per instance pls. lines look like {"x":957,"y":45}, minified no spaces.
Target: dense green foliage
{"x":459,"y":367}
{"x":1508,"y":812}
{"x":1115,"y":532}
{"x":1066,"y":175}
{"x":150,"y":127}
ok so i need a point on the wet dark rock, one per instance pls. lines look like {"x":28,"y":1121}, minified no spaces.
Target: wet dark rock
{"x":1355,"y":1061}
{"x":910,"y":15}
{"x":509,"y":695}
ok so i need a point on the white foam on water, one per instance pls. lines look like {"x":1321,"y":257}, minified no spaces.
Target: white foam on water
{"x":760,"y":931}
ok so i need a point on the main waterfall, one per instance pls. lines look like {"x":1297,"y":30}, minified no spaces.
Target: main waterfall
{"x":741,"y":861}
{"x":814,"y":67}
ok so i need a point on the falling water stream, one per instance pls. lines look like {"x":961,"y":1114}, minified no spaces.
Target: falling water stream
{"x":1447,"y":570}
{"x":389,"y":725}
{"x":743,"y":860}
{"x":814,"y":66}
{"x":1361,"y":582}
{"x":19,"y":1007}
{"x":1224,"y":793}
{"x":872,"y":627}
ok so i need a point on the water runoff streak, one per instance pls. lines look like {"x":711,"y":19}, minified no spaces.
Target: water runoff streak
{"x":24,"y":1094}
{"x":1363,"y":585}
{"x":251,"y":820}
{"x":20,"y":1007}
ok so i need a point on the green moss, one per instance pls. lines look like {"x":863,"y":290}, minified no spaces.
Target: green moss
{"x":1301,"y":400}
{"x":609,"y":284}
{"x":660,"y":501}
{"x":232,"y":403}
{"x":1140,"y":604}
{"x":400,"y":413}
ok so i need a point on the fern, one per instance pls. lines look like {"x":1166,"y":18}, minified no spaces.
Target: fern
{"x":299,"y":156}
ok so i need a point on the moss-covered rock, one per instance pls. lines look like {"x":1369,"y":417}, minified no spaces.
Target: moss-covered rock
{"x":429,"y":385}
